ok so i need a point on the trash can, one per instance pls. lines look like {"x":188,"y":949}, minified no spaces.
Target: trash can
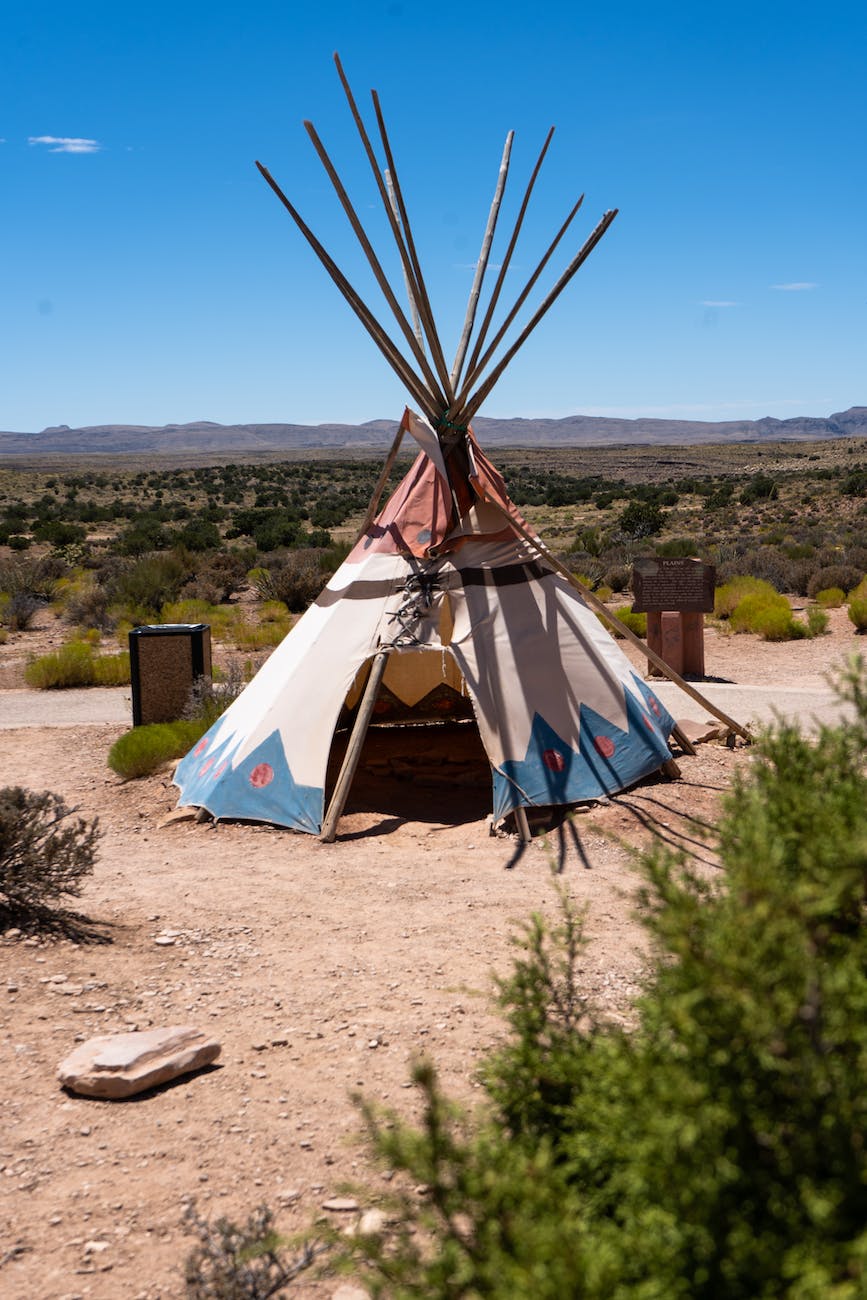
{"x":165,"y":660}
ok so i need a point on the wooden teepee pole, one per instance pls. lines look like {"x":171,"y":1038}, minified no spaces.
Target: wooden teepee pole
{"x":507,"y":258}
{"x":353,"y":751}
{"x":387,"y":347}
{"x":386,"y":191}
{"x":382,"y":480}
{"x":407,"y":273}
{"x":484,"y":389}
{"x":594,"y":601}
{"x":477,"y":365}
{"x":424,"y":306}
{"x":482,"y":263}
{"x":375,"y":265}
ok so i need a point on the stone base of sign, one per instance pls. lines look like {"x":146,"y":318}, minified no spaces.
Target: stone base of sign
{"x":678,"y":639}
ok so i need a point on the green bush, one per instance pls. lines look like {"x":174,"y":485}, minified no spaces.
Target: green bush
{"x":41,"y":860}
{"x":730,"y":594}
{"x":767,"y":614}
{"x":858,"y":613}
{"x":143,"y":749}
{"x":635,"y":622}
{"x":817,"y":621}
{"x":678,"y":546}
{"x":150,"y":583}
{"x":642,"y":519}
{"x":715,"y":1151}
{"x":75,"y":664}
{"x":831,"y":598}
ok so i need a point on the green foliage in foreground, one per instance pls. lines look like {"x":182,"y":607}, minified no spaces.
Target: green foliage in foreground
{"x":75,"y":664}
{"x":143,"y":749}
{"x":717,"y":1150}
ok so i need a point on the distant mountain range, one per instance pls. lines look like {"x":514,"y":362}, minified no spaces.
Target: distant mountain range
{"x":572,"y":431}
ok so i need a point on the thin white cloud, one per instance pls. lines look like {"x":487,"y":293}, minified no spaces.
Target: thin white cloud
{"x":713,"y":302}
{"x":796,"y":286}
{"x":66,"y":143}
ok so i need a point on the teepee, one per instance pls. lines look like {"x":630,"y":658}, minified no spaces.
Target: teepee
{"x":449,"y":604}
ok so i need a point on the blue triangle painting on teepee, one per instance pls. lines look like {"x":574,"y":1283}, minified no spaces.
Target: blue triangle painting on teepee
{"x":607,"y":759}
{"x":261,"y":788}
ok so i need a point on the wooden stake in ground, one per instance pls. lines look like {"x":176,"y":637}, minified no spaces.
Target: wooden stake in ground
{"x":353,"y":750}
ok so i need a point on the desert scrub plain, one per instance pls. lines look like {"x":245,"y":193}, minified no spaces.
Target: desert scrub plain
{"x":107,"y":544}
{"x":327,"y":969}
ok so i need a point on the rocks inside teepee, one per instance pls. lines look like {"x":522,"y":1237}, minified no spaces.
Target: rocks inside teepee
{"x":120,"y":1065}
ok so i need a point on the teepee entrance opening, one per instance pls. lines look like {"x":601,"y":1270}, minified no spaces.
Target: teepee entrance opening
{"x":422,"y":758}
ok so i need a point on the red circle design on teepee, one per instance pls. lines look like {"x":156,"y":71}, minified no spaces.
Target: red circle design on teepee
{"x":220,"y":770}
{"x":654,"y":704}
{"x":553,"y":759}
{"x":648,"y":724}
{"x":603,"y":745}
{"x":201,"y":747}
{"x":262,"y":775}
{"x":204,"y":768}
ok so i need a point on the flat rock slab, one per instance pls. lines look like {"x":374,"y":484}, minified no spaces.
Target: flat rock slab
{"x":120,"y":1065}
{"x":699,"y":733}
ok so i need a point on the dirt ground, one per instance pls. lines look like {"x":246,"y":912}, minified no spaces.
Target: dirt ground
{"x":322,"y":969}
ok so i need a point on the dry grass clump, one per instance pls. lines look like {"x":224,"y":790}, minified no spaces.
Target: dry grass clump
{"x":76,"y":664}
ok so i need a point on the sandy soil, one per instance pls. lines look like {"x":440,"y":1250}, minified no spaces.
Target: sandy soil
{"x":322,"y":969}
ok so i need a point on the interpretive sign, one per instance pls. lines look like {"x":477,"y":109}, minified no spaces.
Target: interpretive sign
{"x":671,"y":583}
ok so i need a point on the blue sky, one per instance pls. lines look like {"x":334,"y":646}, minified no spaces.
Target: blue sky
{"x":149,"y":276}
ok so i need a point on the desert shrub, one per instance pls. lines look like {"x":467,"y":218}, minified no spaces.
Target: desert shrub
{"x":769,"y":615}
{"x":17,"y":542}
{"x":41,"y":859}
{"x":760,"y":488}
{"x":219,"y":575}
{"x":618,"y":577}
{"x":200,"y":535}
{"x":210,"y":697}
{"x":817,"y":621}
{"x":220,"y":618}
{"x":728,"y":596}
{"x":37,"y":577}
{"x":831,"y":598}
{"x":145,"y":533}
{"x":858,"y":613}
{"x":635,"y":622}
{"x":641,"y":519}
{"x":296,"y":577}
{"x":150,"y":583}
{"x":86,"y":604}
{"x":845,"y":576}
{"x":19,"y":610}
{"x":143,"y":749}
{"x":241,"y":1262}
{"x":678,"y":546}
{"x":259,"y":636}
{"x":715,"y":1150}
{"x":75,"y":664}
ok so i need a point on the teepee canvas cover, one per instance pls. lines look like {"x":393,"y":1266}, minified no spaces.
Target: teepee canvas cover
{"x":467,"y":608}
{"x":448,"y":602}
